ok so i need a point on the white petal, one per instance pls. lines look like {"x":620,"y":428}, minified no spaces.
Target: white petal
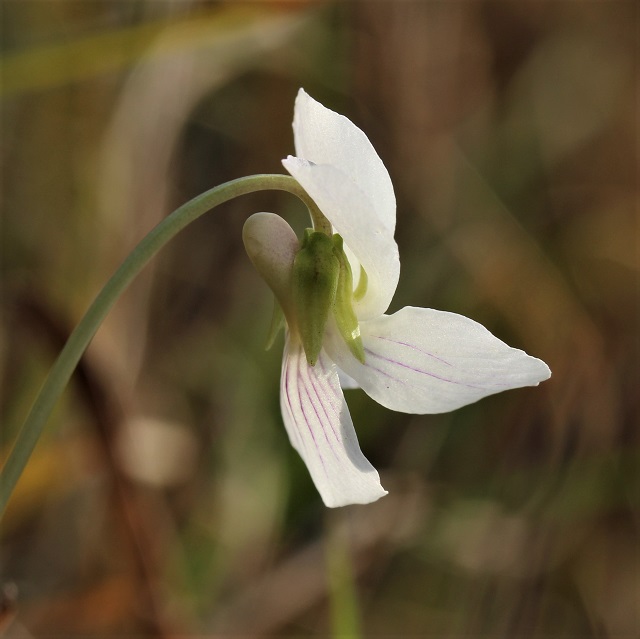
{"x":325,"y":137}
{"x":320,"y":429}
{"x":349,"y":211}
{"x":424,"y":361}
{"x":346,"y":382}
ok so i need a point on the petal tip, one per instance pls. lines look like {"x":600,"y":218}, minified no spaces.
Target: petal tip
{"x":331,"y":501}
{"x":543,"y":370}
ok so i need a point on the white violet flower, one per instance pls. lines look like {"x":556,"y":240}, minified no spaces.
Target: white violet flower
{"x":334,"y":291}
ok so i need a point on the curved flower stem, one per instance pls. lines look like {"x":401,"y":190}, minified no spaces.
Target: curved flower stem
{"x":79,"y":339}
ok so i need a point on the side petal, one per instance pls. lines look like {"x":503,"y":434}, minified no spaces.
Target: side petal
{"x":323,"y":136}
{"x":420,"y":360}
{"x":346,"y":382}
{"x":350,"y":212}
{"x":317,"y":420}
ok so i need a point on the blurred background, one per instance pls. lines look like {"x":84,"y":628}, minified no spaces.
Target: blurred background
{"x":164,"y":499}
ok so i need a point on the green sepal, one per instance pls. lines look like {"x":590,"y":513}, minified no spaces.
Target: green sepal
{"x":346,"y":319}
{"x":277,"y":323}
{"x":315,"y":279}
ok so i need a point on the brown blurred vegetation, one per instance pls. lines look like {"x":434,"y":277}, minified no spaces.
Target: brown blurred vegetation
{"x":164,"y":499}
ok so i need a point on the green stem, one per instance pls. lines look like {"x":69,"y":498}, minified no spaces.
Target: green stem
{"x":341,"y":583}
{"x":79,"y":339}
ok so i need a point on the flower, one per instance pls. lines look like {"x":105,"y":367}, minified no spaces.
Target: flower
{"x":334,"y":299}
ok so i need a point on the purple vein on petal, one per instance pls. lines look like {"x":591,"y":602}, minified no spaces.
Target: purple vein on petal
{"x":415,"y":348}
{"x":326,"y":381}
{"x":393,"y":377}
{"x":298,"y":433}
{"x":310,"y":384}
{"x":421,"y":372}
{"x":306,"y":419}
{"x":287,"y":394}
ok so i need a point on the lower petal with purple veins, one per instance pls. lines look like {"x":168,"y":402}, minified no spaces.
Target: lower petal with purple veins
{"x":420,"y":360}
{"x":317,"y":419}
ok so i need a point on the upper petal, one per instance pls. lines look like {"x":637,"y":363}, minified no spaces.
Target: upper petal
{"x":322,"y":136}
{"x":349,"y":210}
{"x":420,"y":360}
{"x":320,"y":429}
